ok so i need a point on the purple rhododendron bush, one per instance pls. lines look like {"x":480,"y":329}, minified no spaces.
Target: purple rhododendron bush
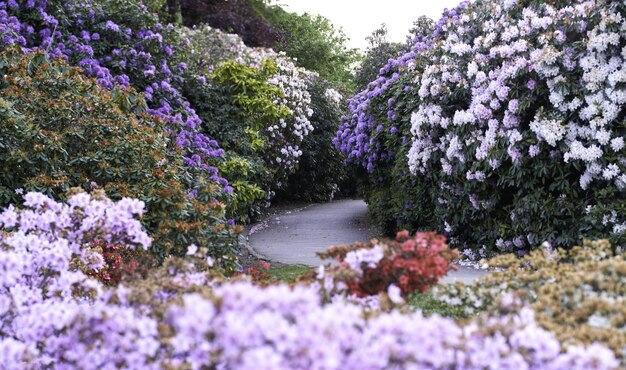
{"x":502,"y":127}
{"x":54,"y":315}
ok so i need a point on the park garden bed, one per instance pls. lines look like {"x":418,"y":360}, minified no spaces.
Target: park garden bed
{"x":132,"y":150}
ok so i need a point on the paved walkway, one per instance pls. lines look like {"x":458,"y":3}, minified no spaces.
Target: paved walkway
{"x":294,"y":236}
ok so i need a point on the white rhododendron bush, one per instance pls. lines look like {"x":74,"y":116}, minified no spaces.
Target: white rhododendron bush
{"x":504,"y":127}
{"x":54,"y":314}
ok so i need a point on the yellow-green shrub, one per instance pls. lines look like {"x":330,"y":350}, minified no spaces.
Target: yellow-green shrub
{"x":580,"y":294}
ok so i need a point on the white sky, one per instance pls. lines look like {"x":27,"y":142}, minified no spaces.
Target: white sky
{"x":359,"y":18}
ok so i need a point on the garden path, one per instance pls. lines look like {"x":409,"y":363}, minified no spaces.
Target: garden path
{"x":293,"y":236}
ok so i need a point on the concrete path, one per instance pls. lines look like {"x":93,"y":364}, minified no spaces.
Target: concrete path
{"x":294,"y":236}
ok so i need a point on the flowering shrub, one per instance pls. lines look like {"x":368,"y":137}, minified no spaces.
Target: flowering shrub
{"x":405,"y":265}
{"x":257,"y":93}
{"x":60,"y":130}
{"x":287,"y":144}
{"x":120,"y":43}
{"x":45,"y":253}
{"x":54,"y":315}
{"x":242,"y":106}
{"x":288,"y":329}
{"x":285,"y":131}
{"x":117,"y":42}
{"x":506,"y":122}
{"x":321,"y":172}
{"x":578,"y":294}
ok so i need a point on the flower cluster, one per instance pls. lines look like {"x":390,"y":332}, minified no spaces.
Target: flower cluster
{"x":526,"y":47}
{"x":357,"y":136}
{"x":45,"y":252}
{"x":285,"y":136}
{"x":281,"y":328}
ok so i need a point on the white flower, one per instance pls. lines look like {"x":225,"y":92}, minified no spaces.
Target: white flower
{"x":550,"y":131}
{"x":598,"y":321}
{"x":610,"y":172}
{"x":371,"y":257}
{"x":320,"y":272}
{"x":395,"y":294}
{"x":617,"y":144}
{"x":192,"y":249}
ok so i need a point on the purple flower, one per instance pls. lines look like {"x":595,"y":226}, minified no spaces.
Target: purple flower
{"x":111,"y":27}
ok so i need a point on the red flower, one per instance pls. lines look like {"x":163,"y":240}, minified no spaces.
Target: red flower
{"x":401,"y":235}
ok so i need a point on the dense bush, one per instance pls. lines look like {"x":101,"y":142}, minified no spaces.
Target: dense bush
{"x":60,"y":129}
{"x":54,"y":315}
{"x":503,"y":129}
{"x":579,"y":294}
{"x":315,"y":44}
{"x":117,"y":42}
{"x":312,"y":42}
{"x":399,"y":267}
{"x":257,"y":104}
{"x":321,"y":172}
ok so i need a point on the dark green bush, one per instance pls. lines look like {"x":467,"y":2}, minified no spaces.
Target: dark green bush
{"x":379,"y":51}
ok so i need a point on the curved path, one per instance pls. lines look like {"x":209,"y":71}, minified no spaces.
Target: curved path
{"x":294,"y":236}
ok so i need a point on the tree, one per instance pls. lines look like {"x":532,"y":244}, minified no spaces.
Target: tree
{"x":378,"y":53}
{"x":423,"y":26}
{"x":315,"y":43}
{"x":233,"y":16}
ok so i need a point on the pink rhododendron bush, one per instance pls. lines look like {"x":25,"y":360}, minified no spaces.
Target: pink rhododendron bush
{"x":502,"y":127}
{"x":53,"y":315}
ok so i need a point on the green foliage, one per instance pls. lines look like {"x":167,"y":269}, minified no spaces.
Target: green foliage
{"x":429,"y":305}
{"x":251,"y":92}
{"x":59,"y":129}
{"x":313,"y":41}
{"x":289,"y":273}
{"x":423,"y":27}
{"x":232,"y":16}
{"x":578,"y":294}
{"x":245,"y":176}
{"x":160,"y":8}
